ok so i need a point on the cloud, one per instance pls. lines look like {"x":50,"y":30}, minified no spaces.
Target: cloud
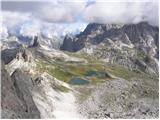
{"x":59,"y":17}
{"x":13,"y":20}
{"x":62,"y":12}
{"x":22,"y":5}
{"x":122,"y":12}
{"x":26,"y":24}
{"x":51,"y":11}
{"x":30,"y":28}
{"x":103,"y":11}
{"x":31,"y":18}
{"x":3,"y":32}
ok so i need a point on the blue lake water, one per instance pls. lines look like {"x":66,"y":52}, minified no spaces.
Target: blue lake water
{"x":78,"y":81}
{"x":91,"y":73}
{"x":96,"y":74}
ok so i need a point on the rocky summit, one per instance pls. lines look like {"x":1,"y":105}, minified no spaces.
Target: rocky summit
{"x":106,"y":71}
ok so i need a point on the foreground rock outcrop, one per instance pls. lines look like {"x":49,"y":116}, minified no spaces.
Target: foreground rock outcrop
{"x":16,"y":98}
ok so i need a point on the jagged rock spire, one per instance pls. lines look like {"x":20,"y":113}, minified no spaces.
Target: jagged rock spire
{"x":35,"y":42}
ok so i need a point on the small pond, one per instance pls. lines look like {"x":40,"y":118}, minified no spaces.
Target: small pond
{"x":97,"y":74}
{"x":78,"y":81}
{"x":91,"y":73}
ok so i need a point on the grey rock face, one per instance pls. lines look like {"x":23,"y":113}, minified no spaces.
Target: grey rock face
{"x":38,"y":80}
{"x":96,"y":33}
{"x":40,"y":40}
{"x":92,"y":30}
{"x":27,"y":55}
{"x":68,"y":44}
{"x":8,"y":55}
{"x":35,"y":42}
{"x":9,"y":99}
{"x":16,"y":96}
{"x":93,"y":27}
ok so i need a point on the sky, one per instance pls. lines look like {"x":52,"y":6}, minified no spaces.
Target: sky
{"x":60,"y":17}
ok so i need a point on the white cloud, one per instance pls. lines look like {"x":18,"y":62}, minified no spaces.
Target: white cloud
{"x":59,"y":17}
{"x":56,"y":29}
{"x":3,"y":32}
{"x":13,"y":20}
{"x":61,"y":12}
{"x":51,"y":11}
{"x":106,"y":11}
{"x":31,"y":28}
{"x":27,"y":25}
{"x":122,"y":12}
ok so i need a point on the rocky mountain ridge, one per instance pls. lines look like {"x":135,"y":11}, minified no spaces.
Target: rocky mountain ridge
{"x":96,"y":33}
{"x":133,"y":45}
